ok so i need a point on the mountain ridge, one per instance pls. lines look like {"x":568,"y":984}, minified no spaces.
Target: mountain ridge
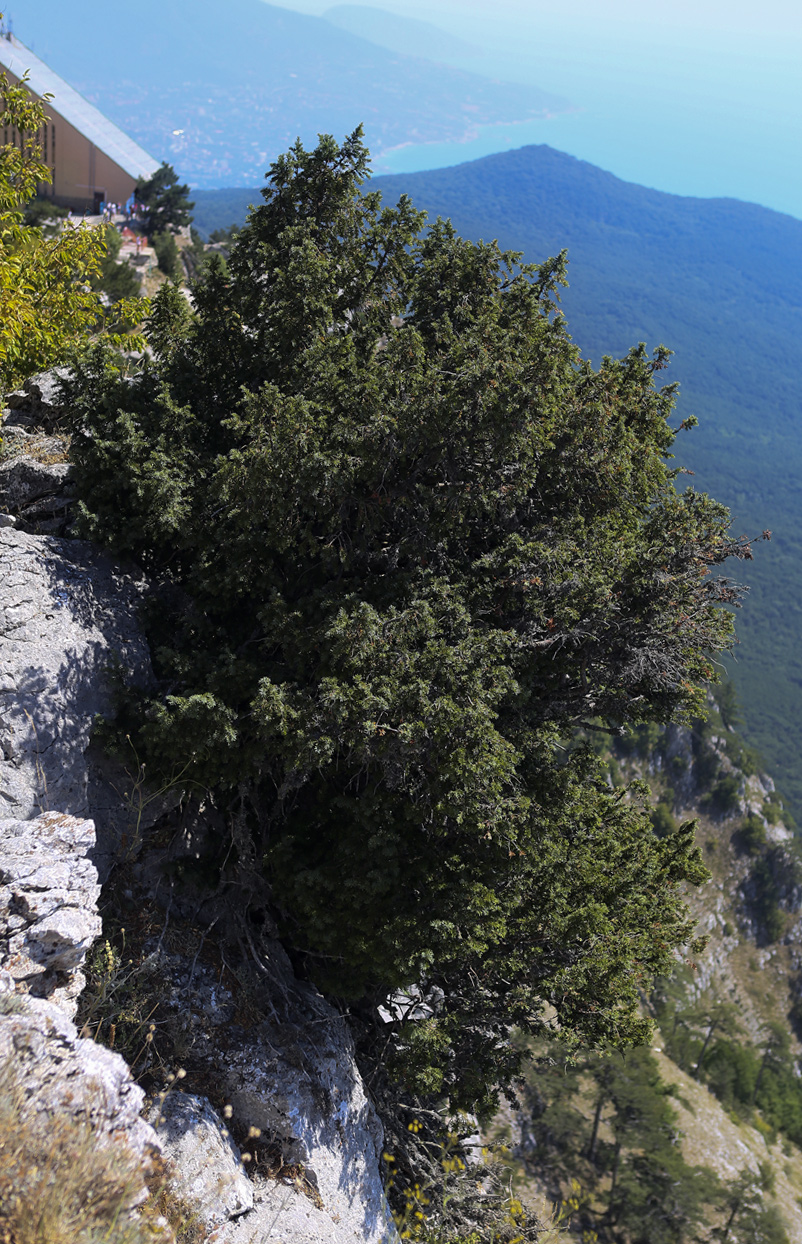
{"x":398,"y":34}
{"x":220,"y":97}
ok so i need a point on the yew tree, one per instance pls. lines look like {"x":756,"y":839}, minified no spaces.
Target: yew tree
{"x":411,"y":546}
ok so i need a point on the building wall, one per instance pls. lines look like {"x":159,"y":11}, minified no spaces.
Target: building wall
{"x":83,"y":175}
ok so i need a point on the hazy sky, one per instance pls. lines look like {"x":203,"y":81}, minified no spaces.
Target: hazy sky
{"x":698,"y":97}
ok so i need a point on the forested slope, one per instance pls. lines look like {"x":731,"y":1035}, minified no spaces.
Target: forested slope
{"x":720,"y":282}
{"x":698,"y":1136}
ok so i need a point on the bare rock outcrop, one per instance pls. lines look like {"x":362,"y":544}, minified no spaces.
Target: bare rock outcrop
{"x":48,"y":921}
{"x":68,"y":617}
{"x":289,"y":1072}
{"x":48,"y":905}
{"x":38,"y":400}
{"x":35,"y":491}
{"x":35,"y":494}
{"x":208,"y":1165}
{"x":299,"y":1084}
{"x":61,"y":1073}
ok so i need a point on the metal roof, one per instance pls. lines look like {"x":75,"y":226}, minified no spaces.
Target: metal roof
{"x":69,"y":104}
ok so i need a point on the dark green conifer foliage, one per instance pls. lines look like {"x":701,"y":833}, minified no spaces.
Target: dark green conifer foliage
{"x":656,"y":1197}
{"x":115,"y":279}
{"x":625,"y":1154}
{"x":167,"y":255}
{"x":418,"y":541}
{"x":166,"y":202}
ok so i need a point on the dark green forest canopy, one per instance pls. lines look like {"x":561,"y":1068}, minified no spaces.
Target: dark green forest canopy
{"x":410,"y":542}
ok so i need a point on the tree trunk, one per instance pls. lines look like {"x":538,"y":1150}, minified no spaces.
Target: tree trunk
{"x":730,"y":1221}
{"x":710,"y":1031}
{"x":616,"y":1159}
{"x":594,"y":1135}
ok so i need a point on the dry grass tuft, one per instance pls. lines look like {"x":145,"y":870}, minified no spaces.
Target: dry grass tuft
{"x":165,"y":1203}
{"x":59,"y":1186}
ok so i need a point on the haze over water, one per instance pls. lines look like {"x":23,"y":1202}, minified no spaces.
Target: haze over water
{"x":697,"y":99}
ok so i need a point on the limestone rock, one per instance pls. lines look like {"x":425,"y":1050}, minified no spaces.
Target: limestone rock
{"x":23,"y":480}
{"x":283,"y":1214}
{"x":67,"y":615}
{"x":301,"y":1086}
{"x":208,"y":1165}
{"x":294,"y":1077}
{"x":39,"y":399}
{"x":36,"y":493}
{"x":48,"y":904}
{"x":63,"y":1074}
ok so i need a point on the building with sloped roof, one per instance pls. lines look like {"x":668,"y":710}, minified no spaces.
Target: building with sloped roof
{"x":91,"y":160}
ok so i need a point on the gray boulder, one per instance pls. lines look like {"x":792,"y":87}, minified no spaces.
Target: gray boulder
{"x":68,"y":614}
{"x":48,"y":905}
{"x":293,"y":1077}
{"x":208,"y":1166}
{"x":48,"y":921}
{"x":36,"y":494}
{"x":39,"y":400}
{"x":62,"y":1074}
{"x":23,"y":480}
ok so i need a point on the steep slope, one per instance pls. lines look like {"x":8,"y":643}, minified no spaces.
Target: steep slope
{"x":220,"y":93}
{"x":705,"y":1127}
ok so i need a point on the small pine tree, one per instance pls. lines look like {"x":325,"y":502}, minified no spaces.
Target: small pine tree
{"x":167,"y":255}
{"x":166,"y":203}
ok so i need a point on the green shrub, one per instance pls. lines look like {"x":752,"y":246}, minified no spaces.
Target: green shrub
{"x":116,"y":280}
{"x":775,"y":810}
{"x":726,"y":699}
{"x":614,"y":769}
{"x":663,"y":820}
{"x":706,"y":767}
{"x":766,"y":901}
{"x":43,"y":214}
{"x":751,"y":837}
{"x":678,"y":767}
{"x":167,"y":255}
{"x":225,"y":236}
{"x":642,"y":740}
{"x":724,"y":797}
{"x":747,"y":759}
